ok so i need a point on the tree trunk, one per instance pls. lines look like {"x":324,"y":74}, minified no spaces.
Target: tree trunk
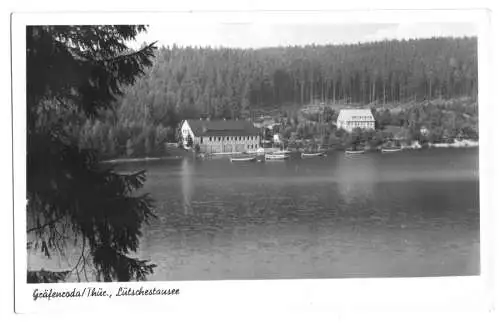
{"x":363,"y":93}
{"x":384,"y":94}
{"x":312,"y":92}
{"x":334,"y":88}
{"x":393,"y":87}
{"x":374,"y":98}
{"x":301,"y":93}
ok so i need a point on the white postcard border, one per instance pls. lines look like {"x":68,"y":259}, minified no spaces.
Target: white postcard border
{"x":409,"y":294}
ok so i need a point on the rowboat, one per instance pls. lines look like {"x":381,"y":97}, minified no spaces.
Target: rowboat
{"x":391,"y":150}
{"x":308,"y":155}
{"x":242,"y":159}
{"x":284,"y":152}
{"x":226,"y":153}
{"x":273,"y":157}
{"x":355,"y":152}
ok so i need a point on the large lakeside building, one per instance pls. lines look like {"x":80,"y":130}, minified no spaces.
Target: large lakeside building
{"x":220,"y":136}
{"x":350,"y":119}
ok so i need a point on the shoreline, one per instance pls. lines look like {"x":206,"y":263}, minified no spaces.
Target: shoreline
{"x":456,"y":144}
{"x":462,"y":144}
{"x":141,"y":159}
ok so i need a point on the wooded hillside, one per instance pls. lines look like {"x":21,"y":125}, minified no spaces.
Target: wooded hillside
{"x":230,"y":82}
{"x":237,"y":83}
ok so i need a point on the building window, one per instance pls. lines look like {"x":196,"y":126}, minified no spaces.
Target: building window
{"x":227,"y":138}
{"x":209,"y":138}
{"x":219,"y":138}
{"x":201,"y":140}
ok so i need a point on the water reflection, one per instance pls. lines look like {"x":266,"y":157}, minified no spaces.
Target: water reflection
{"x":370,"y":215}
{"x":187,"y":171}
{"x":356,"y":177}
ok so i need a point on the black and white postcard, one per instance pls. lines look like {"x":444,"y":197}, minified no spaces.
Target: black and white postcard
{"x":317,"y":158}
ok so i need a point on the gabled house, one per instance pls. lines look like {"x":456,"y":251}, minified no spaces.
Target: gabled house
{"x":349,"y":119}
{"x":220,"y":136}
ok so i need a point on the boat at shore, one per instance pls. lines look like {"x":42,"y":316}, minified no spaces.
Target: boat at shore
{"x":276,"y":157}
{"x":243,"y":159}
{"x":282,"y":152}
{"x":226,"y":153}
{"x":391,"y":150}
{"x":310,"y":155}
{"x":350,"y":152}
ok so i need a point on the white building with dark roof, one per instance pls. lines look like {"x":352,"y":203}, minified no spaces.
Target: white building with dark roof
{"x":221,"y":136}
{"x":350,"y":119}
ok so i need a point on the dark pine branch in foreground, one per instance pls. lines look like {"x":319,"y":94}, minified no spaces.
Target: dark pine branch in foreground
{"x":75,"y":72}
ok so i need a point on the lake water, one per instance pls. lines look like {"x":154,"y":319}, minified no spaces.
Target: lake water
{"x":413,"y":213}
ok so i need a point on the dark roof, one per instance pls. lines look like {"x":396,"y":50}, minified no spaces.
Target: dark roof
{"x":222,"y":128}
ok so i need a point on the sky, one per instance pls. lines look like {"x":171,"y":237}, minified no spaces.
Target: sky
{"x":257,"y":35}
